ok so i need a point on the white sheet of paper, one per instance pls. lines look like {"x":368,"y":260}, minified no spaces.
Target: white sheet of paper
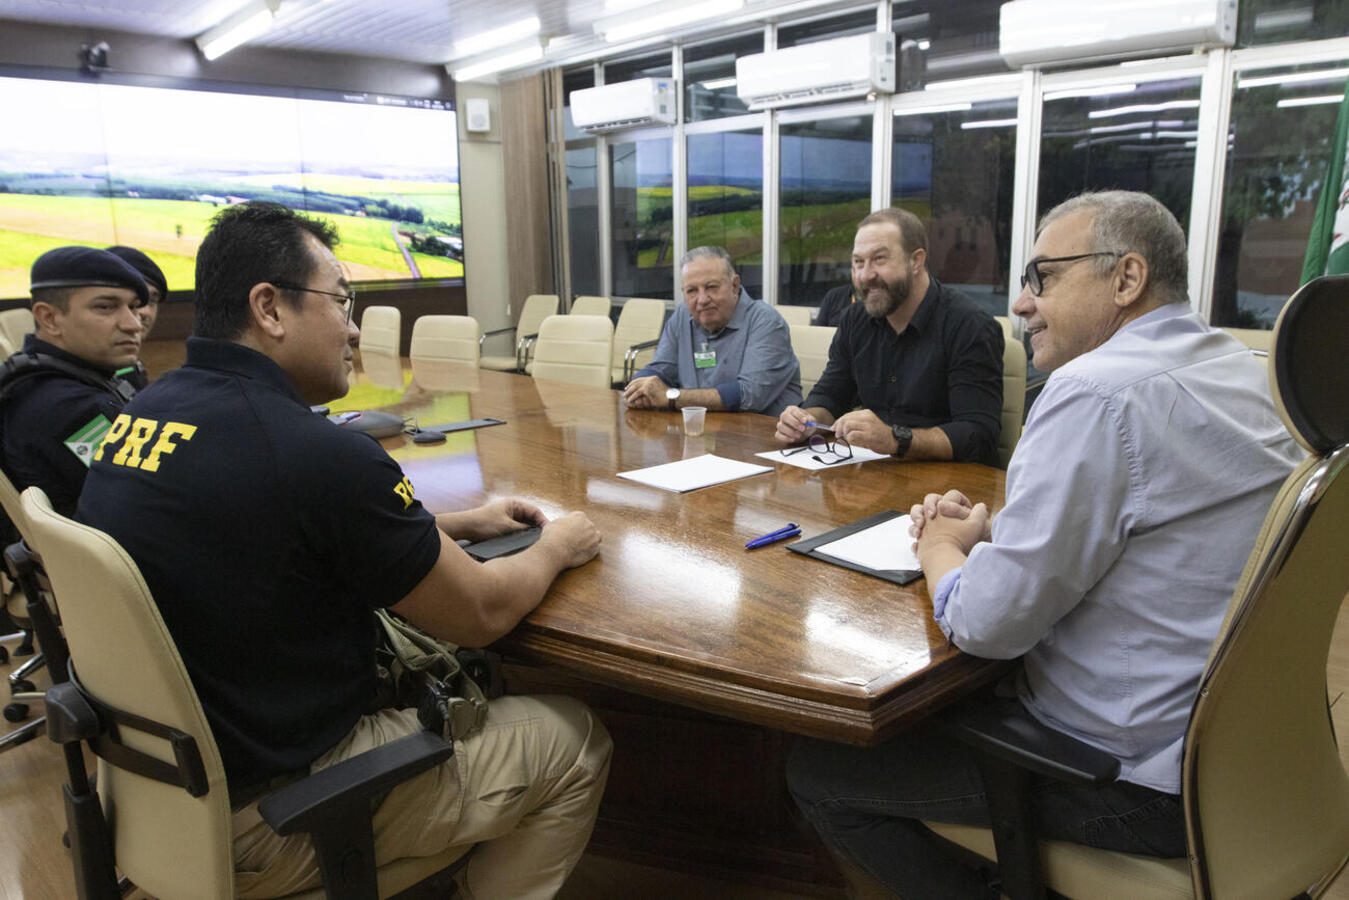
{"x":885,"y":546}
{"x":694,"y":473}
{"x":806,"y":459}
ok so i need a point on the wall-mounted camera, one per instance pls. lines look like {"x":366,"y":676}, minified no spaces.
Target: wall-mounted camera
{"x":94,"y":58}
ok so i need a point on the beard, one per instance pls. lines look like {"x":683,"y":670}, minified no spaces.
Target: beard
{"x":881,"y":298}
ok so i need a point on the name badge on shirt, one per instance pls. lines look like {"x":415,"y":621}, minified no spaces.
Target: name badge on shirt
{"x":704,"y":359}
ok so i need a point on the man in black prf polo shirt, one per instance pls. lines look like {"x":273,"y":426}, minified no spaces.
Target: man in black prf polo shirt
{"x":58,"y":395}
{"x":922,"y":361}
{"x":267,"y":536}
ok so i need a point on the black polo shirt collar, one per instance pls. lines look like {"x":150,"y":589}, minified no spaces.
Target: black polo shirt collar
{"x":227,"y":356}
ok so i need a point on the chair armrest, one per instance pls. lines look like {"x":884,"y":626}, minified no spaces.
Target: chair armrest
{"x":335,"y":806}
{"x":486,"y":334}
{"x":301,"y":806}
{"x":630,"y":357}
{"x":522,"y":347}
{"x":1009,"y":733}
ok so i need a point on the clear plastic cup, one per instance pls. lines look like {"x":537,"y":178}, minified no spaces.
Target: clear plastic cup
{"x":693,"y":420}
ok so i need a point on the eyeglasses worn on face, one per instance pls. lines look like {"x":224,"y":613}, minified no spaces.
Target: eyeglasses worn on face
{"x":1033,"y":278}
{"x":819,"y":445}
{"x":348,"y":299}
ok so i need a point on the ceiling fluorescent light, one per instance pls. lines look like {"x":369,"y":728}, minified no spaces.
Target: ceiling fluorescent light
{"x":497,"y":37}
{"x":717,"y":84}
{"x":977,"y":81}
{"x":615,"y":30}
{"x":1142,"y":108}
{"x":935,"y":108}
{"x":1293,"y":78}
{"x":1103,"y":91}
{"x":1309,"y":101}
{"x":250,"y":22}
{"x":988,"y":123}
{"x":496,"y":64}
{"x":618,"y":6}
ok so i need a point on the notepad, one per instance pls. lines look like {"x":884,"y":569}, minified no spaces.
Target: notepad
{"x":885,"y":546}
{"x":878,"y":545}
{"x":697,"y":472}
{"x":808,"y":459}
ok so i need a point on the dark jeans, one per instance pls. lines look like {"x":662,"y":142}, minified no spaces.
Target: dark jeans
{"x":866,"y":803}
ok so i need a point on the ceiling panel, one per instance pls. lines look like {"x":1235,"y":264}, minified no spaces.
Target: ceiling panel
{"x":413,"y":30}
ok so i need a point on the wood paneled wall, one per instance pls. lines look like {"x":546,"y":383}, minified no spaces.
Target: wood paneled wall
{"x":524,"y":151}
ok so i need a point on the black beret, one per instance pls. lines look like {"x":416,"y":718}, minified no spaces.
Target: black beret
{"x":85,"y":267}
{"x":152,"y":273}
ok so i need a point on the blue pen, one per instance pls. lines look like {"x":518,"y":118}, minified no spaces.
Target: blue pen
{"x":828,"y":428}
{"x":790,"y":530}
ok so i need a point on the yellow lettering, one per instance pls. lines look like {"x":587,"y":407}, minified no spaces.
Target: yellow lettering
{"x":115,"y":433}
{"x":165,"y":444}
{"x":130,"y":454}
{"x":404,"y":490}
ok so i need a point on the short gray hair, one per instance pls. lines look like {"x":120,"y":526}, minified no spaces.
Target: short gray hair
{"x":709,"y":252}
{"x":1129,"y":221}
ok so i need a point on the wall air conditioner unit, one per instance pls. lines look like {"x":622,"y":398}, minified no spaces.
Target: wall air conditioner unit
{"x":823,"y":70}
{"x":627,"y":104}
{"x":1049,"y":32}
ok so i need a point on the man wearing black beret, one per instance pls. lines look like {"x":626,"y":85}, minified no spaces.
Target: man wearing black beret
{"x":59,"y":395}
{"x":158,"y":286}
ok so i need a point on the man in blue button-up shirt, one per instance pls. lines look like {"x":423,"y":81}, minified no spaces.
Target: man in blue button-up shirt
{"x":1133,"y":500}
{"x":721,"y":350}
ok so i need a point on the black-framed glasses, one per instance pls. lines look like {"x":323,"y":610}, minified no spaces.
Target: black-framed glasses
{"x":819,"y":445}
{"x":348,"y":299}
{"x":1035,"y":280}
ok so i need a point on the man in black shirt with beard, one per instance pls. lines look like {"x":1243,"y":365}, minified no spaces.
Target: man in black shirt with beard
{"x":921,"y":360}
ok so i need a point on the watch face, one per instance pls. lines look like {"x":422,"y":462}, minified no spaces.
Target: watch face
{"x":672,"y":394}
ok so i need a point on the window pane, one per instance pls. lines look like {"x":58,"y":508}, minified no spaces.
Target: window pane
{"x":576,"y":80}
{"x":583,"y":220}
{"x":726,"y":199}
{"x":709,"y":74}
{"x":641,"y":219}
{"x":941,"y":40}
{"x":825,"y":192}
{"x":655,"y":66}
{"x":1275,"y":21}
{"x":826,"y":29}
{"x":954,"y":171}
{"x":1131,"y":137}
{"x":1276,"y":162}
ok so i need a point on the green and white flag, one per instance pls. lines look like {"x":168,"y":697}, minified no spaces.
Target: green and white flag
{"x":1328,"y":247}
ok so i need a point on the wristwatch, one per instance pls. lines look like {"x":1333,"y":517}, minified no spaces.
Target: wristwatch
{"x":903,"y":438}
{"x":672,"y":394}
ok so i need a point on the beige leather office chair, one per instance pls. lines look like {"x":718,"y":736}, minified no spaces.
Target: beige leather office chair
{"x":23,"y":694}
{"x":444,"y":339}
{"x":795,"y":315}
{"x":536,"y":308}
{"x":1013,"y":391}
{"x":1256,"y":338}
{"x":635,"y":337}
{"x":811,"y":343}
{"x":381,"y":330}
{"x":6,"y":348}
{"x":575,"y":349}
{"x":589,"y":306}
{"x":160,"y":778}
{"x":1266,"y":797}
{"x":14,"y":325}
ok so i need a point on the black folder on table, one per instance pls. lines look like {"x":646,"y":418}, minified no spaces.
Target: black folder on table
{"x":896,"y":576}
{"x":504,"y":545}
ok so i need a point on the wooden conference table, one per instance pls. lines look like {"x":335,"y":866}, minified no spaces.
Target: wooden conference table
{"x":675,"y":609}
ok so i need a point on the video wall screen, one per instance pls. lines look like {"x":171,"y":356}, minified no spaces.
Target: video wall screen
{"x":103,"y":163}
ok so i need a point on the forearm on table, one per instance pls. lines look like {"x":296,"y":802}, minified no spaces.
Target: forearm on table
{"x":708,"y":397}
